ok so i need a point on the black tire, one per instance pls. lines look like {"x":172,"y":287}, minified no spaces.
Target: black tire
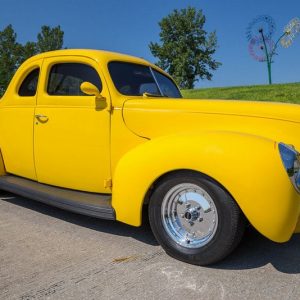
{"x":227,"y":232}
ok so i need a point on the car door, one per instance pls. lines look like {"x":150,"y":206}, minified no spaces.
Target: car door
{"x":71,"y":133}
{"x":16,"y":121}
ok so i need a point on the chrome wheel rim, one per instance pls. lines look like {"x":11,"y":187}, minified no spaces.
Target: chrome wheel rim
{"x":189,"y":215}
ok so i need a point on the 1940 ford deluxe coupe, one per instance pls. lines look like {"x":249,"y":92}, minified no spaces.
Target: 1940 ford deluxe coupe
{"x":106,"y":134}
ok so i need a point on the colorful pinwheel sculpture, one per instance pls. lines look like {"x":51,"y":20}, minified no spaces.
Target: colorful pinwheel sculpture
{"x":261,"y":45}
{"x":291,"y":31}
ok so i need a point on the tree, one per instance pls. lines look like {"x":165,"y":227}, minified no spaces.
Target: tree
{"x":186,"y":50}
{"x":28,"y":50}
{"x":50,"y":39}
{"x":12,"y":54}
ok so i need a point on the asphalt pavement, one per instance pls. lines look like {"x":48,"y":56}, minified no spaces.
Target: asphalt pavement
{"x":48,"y":253}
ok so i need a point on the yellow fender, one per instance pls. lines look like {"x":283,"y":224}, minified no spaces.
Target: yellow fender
{"x":2,"y":167}
{"x":249,"y":167}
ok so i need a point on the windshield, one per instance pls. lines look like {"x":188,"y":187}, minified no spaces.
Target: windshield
{"x":166,"y":85}
{"x":135,"y":80}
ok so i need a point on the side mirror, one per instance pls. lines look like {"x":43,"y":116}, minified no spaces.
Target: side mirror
{"x":90,"y":89}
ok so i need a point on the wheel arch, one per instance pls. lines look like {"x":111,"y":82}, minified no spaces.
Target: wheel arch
{"x":179,"y":172}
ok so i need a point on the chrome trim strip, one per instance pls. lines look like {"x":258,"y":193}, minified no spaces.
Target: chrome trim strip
{"x":161,"y":93}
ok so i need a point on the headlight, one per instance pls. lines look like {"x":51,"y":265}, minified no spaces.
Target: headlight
{"x":291,"y":161}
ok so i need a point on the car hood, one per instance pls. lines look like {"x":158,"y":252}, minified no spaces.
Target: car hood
{"x":155,"y":117}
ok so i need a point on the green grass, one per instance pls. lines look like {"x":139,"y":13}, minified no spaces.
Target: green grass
{"x":278,"y":92}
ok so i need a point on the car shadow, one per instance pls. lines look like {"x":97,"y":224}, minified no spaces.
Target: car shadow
{"x":253,"y":252}
{"x":256,"y":251}
{"x":142,"y":234}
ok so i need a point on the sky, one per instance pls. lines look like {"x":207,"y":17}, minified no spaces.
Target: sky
{"x":128,"y":26}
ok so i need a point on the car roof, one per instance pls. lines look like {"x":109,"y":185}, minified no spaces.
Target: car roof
{"x":94,"y":54}
{"x":98,"y":55}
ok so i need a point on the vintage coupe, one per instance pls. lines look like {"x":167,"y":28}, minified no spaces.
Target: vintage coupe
{"x":106,"y":134}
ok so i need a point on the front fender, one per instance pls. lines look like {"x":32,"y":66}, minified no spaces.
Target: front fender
{"x":249,"y":167}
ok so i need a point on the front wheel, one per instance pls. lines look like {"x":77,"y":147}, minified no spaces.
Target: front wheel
{"x":194,"y":219}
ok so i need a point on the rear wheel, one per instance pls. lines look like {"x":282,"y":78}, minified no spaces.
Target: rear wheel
{"x":194,"y":219}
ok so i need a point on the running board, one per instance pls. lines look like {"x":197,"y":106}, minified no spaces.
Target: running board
{"x":90,"y":204}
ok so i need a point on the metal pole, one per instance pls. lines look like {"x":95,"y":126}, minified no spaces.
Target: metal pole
{"x":269,"y":61}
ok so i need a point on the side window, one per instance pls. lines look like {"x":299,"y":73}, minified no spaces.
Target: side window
{"x":65,"y":79}
{"x":29,"y":84}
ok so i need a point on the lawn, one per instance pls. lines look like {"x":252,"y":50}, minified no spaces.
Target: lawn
{"x":277,"y":92}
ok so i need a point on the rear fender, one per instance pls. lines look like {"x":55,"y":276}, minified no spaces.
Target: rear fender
{"x":2,"y":167}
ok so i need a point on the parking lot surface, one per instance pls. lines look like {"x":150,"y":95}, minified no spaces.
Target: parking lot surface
{"x":48,"y":253}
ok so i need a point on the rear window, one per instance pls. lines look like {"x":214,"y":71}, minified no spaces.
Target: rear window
{"x":29,"y":84}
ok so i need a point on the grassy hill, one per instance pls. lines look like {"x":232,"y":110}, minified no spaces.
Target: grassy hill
{"x":278,"y":92}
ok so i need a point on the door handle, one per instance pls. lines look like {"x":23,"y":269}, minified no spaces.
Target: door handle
{"x":41,"y":118}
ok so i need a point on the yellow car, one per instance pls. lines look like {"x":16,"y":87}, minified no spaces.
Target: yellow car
{"x":105,"y":134}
